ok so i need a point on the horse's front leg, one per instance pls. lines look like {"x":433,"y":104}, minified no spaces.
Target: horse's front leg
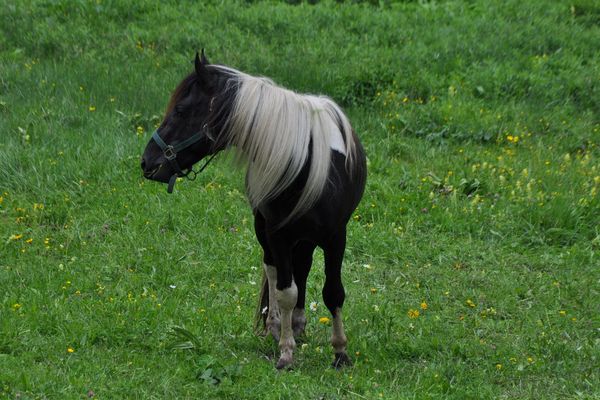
{"x":286,"y":298}
{"x":286,"y":294}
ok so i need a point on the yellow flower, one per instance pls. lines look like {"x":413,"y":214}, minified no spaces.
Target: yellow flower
{"x":424,"y":306}
{"x":562,"y":312}
{"x":470,"y":303}
{"x":324,"y":320}
{"x":413,"y":313}
{"x":29,"y":241}
{"x":498,"y":367}
{"x":70,"y":350}
{"x":139,"y":130}
{"x":15,"y":237}
{"x":38,"y":206}
{"x":16,"y":306}
{"x":92,"y":108}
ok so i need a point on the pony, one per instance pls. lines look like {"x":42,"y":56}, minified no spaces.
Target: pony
{"x":306,"y":174}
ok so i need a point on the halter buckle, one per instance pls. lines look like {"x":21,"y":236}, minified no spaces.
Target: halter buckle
{"x":169,"y":153}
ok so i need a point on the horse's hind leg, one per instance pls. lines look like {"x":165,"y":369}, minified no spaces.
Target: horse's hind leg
{"x":272,"y":321}
{"x":334,"y":295}
{"x":302,"y":261}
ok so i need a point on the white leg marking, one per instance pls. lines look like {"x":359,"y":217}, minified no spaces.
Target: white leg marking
{"x":338,"y":341}
{"x":273,"y":321}
{"x":287,"y":301}
{"x":338,"y":338}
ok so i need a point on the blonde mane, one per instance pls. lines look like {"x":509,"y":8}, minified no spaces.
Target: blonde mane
{"x":272,"y":129}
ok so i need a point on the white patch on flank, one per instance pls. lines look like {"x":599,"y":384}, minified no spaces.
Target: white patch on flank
{"x":337,"y":142}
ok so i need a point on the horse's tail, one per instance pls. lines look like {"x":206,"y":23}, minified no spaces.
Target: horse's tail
{"x":260,"y":317}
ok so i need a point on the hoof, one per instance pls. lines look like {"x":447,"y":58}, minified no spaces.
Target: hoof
{"x":341,"y":360}
{"x":284,"y":363}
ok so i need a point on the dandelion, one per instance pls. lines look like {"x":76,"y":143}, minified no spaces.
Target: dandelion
{"x":470,"y":303}
{"x":38,"y":206}
{"x":424,"y":306}
{"x":562,"y":313}
{"x":139,"y":130}
{"x":29,"y":241}
{"x":324,"y":320}
{"x":16,"y":306}
{"x":15,"y":237}
{"x":70,"y":350}
{"x":413,"y":313}
{"x":92,"y":108}
{"x":498,"y":367}
{"x":373,"y":290}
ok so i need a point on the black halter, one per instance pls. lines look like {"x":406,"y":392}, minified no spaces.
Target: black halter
{"x":170,"y":153}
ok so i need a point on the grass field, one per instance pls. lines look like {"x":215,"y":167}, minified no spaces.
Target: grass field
{"x":472,"y":269}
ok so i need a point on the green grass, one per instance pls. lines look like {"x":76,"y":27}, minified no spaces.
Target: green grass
{"x":481,"y":123}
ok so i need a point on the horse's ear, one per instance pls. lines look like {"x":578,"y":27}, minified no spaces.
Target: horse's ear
{"x":200,"y":63}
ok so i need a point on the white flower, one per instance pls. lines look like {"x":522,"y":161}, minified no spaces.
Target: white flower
{"x":264,"y":310}
{"x":313,"y":306}
{"x":172,"y":286}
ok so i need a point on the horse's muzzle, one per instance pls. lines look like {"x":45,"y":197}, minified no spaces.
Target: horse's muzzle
{"x":160,"y":173}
